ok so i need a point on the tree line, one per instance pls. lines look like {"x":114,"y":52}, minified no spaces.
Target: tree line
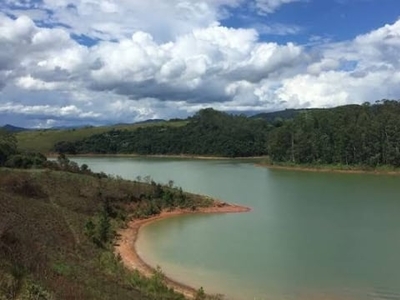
{"x":11,"y":157}
{"x":367,"y":135}
{"x":208,"y":132}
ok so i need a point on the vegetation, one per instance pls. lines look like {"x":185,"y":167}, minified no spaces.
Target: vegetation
{"x":286,"y":114}
{"x":352,"y":136}
{"x":208,"y":132}
{"x":43,"y":140}
{"x":58,"y":220}
{"x":11,"y":128}
{"x":8,"y":146}
{"x":58,"y":225}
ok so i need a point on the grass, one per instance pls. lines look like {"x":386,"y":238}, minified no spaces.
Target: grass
{"x":45,"y":249}
{"x":44,"y":140}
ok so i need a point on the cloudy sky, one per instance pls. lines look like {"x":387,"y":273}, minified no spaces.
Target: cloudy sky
{"x":74,"y":62}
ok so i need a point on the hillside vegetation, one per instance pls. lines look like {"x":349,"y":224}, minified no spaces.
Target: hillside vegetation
{"x":356,"y":135}
{"x":362,"y":136}
{"x":58,"y":224}
{"x":44,"y":140}
{"x":208,"y":132}
{"x":57,"y":230}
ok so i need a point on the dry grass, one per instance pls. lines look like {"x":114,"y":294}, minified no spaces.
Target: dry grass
{"x":42,"y":239}
{"x":45,"y":250}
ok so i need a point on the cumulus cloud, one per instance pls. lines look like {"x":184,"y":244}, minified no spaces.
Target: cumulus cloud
{"x":117,"y":19}
{"x":364,"y":69}
{"x":28,"y":49}
{"x":195,"y":68}
{"x":175,"y":66}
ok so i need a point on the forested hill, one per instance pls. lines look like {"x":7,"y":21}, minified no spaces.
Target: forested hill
{"x":286,"y":114}
{"x":367,"y":135}
{"x":208,"y":132}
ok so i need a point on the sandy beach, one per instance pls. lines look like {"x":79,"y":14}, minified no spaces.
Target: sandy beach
{"x":126,"y":244}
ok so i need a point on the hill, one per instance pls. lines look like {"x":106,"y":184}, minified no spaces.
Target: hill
{"x":286,"y":114}
{"x":208,"y":132}
{"x":44,"y":140}
{"x":151,"y":121}
{"x":362,"y":136}
{"x":57,"y":230}
{"x":15,"y":129}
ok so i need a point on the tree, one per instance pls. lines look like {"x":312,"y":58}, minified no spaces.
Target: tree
{"x":8,"y":146}
{"x":200,"y":294}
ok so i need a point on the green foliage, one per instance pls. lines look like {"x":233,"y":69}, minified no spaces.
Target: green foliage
{"x":209,"y":132}
{"x":200,"y":295}
{"x":26,"y":161}
{"x":61,"y":268}
{"x":44,"y":140}
{"x":154,"y":287}
{"x":50,"y":222}
{"x":8,"y":146}
{"x":36,"y":292}
{"x":65,"y":147}
{"x":352,"y":135}
{"x":10,"y":157}
{"x":104,"y":227}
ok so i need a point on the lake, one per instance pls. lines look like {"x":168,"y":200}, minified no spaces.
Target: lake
{"x":309,"y":235}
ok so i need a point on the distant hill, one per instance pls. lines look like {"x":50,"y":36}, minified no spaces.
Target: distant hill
{"x":43,"y":140}
{"x":283,"y":114}
{"x":11,"y":128}
{"x":70,"y":127}
{"x":149,"y":121}
{"x":207,"y":133}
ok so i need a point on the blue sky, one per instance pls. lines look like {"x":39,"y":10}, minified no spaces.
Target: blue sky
{"x":75,"y":62}
{"x":336,"y":20}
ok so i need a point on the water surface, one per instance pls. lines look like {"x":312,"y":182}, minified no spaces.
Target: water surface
{"x":309,"y":236}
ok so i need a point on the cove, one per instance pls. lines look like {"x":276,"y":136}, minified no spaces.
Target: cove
{"x":309,"y":235}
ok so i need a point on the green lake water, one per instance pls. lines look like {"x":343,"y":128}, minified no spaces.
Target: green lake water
{"x":309,"y":235}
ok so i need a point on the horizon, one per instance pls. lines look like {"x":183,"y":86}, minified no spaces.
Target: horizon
{"x":188,"y":117}
{"x":78,"y":63}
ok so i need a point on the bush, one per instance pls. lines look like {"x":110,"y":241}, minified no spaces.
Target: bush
{"x":26,"y":161}
{"x":22,"y":184}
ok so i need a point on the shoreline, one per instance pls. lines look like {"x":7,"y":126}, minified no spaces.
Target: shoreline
{"x":326,"y":169}
{"x":259,"y":163}
{"x":126,"y":243}
{"x":178,"y":156}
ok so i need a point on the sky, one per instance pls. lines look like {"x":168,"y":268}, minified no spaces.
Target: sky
{"x":95,"y":62}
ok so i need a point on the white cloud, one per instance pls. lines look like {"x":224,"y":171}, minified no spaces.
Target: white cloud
{"x":140,"y":74}
{"x":118,"y":19}
{"x":45,"y":110}
{"x":269,"y":6}
{"x":325,"y":64}
{"x":30,"y":83}
{"x":374,"y":73}
{"x":196,"y":68}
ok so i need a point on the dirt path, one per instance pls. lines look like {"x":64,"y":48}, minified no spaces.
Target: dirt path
{"x":126,"y":245}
